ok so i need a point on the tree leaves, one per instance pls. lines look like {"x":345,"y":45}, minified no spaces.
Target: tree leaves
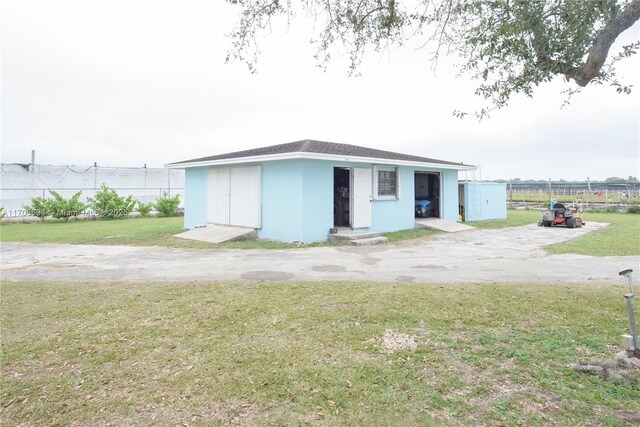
{"x":510,"y":46}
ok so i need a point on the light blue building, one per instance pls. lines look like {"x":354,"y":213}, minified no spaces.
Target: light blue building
{"x":301,"y":190}
{"x":482,"y":200}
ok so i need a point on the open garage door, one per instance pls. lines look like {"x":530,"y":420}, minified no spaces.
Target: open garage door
{"x":427,"y":194}
{"x":235,"y":196}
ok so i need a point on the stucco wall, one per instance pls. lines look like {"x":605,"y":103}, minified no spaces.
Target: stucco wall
{"x":449,"y":202}
{"x":195,"y":197}
{"x":317,"y":197}
{"x":317,"y":200}
{"x":297,"y":199}
{"x":282,"y":201}
{"x":399,"y":214}
{"x":484,"y":200}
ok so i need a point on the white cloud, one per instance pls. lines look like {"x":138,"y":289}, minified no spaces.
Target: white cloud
{"x":128,"y":83}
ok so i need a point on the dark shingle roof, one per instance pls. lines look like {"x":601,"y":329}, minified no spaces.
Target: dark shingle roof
{"x":319,"y":147}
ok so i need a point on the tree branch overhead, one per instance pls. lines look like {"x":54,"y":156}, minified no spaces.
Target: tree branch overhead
{"x":510,"y":46}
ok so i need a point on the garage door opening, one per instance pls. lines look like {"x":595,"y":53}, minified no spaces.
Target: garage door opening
{"x":341,"y":197}
{"x":461,"y":207}
{"x":427,"y":194}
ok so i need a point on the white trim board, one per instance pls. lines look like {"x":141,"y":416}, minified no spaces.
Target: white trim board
{"x":320,"y":156}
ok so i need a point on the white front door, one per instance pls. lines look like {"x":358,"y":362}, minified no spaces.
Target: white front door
{"x":362,"y":181}
{"x":235,"y":196}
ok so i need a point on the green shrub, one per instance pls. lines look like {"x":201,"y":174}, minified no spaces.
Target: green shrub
{"x":633,"y":209}
{"x":607,"y":209}
{"x":39,"y":207}
{"x":61,"y":208}
{"x":167,"y":206}
{"x":144,"y":208}
{"x":3,"y":213}
{"x":108,"y":204}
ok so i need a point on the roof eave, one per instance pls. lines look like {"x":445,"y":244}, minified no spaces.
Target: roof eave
{"x":318,"y":156}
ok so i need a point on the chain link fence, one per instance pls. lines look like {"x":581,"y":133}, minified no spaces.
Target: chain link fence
{"x":20,"y":183}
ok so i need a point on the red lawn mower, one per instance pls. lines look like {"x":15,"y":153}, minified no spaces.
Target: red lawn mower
{"x":559,"y":214}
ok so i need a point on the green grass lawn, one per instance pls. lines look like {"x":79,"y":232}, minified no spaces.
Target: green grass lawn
{"x":129,"y":231}
{"x":621,"y":237}
{"x":148,"y":232}
{"x":309,"y":353}
{"x":409,"y":235}
{"x":515,"y":218}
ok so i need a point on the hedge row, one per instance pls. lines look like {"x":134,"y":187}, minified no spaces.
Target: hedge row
{"x":107,"y":203}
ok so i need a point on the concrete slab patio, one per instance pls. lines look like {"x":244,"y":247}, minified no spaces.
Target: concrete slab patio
{"x":478,"y":256}
{"x":212,"y":233}
{"x":442,"y":225}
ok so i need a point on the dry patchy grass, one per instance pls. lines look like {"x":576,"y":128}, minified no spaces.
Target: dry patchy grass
{"x":308,"y":353}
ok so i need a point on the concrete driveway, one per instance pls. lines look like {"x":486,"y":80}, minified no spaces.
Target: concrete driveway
{"x":482,"y":256}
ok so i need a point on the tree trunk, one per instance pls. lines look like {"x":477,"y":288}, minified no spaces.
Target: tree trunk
{"x":602,"y":43}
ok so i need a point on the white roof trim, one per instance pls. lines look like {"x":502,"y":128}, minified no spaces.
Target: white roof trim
{"x":319,"y":156}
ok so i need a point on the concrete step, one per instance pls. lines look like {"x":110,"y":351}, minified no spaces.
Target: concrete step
{"x":369,"y":241}
{"x":442,"y":225}
{"x":352,"y":235}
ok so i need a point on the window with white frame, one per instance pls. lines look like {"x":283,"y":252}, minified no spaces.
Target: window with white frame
{"x":386,"y":182}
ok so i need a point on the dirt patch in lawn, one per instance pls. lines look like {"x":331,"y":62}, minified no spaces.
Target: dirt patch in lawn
{"x":392,"y":341}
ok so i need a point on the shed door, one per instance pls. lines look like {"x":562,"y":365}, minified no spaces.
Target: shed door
{"x":235,"y":196}
{"x":361,"y":197}
{"x":245,"y":203}
{"x":218,"y":209}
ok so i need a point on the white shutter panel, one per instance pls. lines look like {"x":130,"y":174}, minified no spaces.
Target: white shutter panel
{"x":218,"y":193}
{"x":362,"y":180}
{"x":245,"y":203}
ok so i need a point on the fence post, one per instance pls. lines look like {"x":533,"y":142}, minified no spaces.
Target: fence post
{"x":510,"y":191}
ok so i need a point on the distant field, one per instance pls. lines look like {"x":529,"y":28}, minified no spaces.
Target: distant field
{"x":542,"y":197}
{"x":309,"y":354}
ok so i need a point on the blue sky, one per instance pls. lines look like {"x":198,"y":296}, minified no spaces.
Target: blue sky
{"x":124,"y":83}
